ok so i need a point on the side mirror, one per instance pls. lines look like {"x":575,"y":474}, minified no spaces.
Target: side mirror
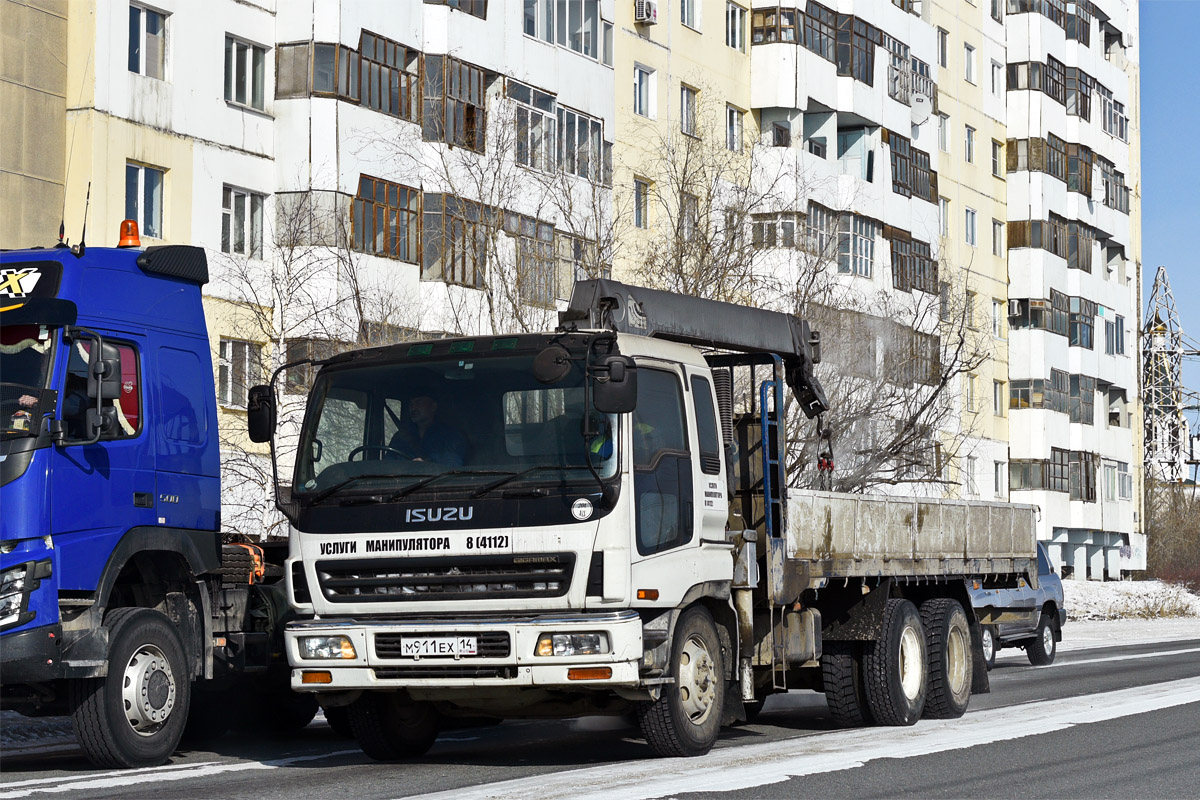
{"x":260,"y":413}
{"x":104,"y":372}
{"x":100,"y":423}
{"x":614,"y":385}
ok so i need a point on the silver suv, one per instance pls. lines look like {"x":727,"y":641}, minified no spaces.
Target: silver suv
{"x":1032,"y":618}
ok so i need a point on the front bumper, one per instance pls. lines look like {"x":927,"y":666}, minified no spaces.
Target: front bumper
{"x":31,"y":656}
{"x":519,"y":667}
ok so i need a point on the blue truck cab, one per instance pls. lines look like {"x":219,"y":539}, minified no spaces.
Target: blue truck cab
{"x":114,"y":592}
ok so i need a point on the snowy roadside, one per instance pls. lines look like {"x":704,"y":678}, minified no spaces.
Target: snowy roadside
{"x":1100,"y":615}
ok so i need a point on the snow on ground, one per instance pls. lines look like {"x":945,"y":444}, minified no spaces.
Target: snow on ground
{"x":1108,"y":600}
{"x":1099,"y":614}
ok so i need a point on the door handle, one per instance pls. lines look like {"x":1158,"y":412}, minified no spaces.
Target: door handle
{"x":143,"y":500}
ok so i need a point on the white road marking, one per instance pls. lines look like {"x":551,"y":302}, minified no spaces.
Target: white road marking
{"x":89,"y":775}
{"x":746,"y":766}
{"x":180,"y":772}
{"x":1130,"y":657}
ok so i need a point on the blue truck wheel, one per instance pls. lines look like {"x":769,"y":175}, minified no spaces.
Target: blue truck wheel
{"x":134,"y":717}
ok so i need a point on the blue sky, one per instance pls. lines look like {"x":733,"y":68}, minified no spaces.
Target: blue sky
{"x":1170,"y":160}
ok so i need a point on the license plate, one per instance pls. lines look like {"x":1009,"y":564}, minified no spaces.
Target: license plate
{"x":421,"y":647}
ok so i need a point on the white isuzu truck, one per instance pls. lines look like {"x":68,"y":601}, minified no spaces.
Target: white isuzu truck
{"x":595,"y":520}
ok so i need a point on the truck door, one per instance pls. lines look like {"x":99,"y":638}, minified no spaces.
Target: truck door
{"x":99,"y":491}
{"x":662,"y":464}
{"x":712,"y":510}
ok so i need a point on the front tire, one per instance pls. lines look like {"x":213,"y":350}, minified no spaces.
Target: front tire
{"x":390,"y":727}
{"x":135,"y":716}
{"x":948,"y":649}
{"x":895,"y":666}
{"x":991,"y":644}
{"x":1044,"y":645}
{"x":686,"y":718}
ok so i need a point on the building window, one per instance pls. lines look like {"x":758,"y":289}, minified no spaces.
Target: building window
{"x":970,"y":485}
{"x":1082,"y":475}
{"x":1060,"y":470}
{"x":245,"y":73}
{"x":641,"y":203}
{"x":454,"y":110}
{"x":577,"y":26}
{"x":1124,"y":481}
{"x":969,"y":63}
{"x":997,"y":319}
{"x":820,"y":229}
{"x":943,"y":47}
{"x":944,"y":133}
{"x":971,"y":310}
{"x":476,"y":8}
{"x":856,"y":245}
{"x":144,"y":198}
{"x":944,"y":302}
{"x":536,"y":263}
{"x":689,"y":217}
{"x":969,"y":228}
{"x":997,"y":238}
{"x":998,"y":398}
{"x":537,"y":132}
{"x":1112,"y":114}
{"x":997,"y":159}
{"x":241,"y":222}
{"x":944,"y":215}
{"x":1081,"y":399}
{"x":997,"y":79}
{"x":913,"y":266}
{"x":582,"y":150}
{"x":240,"y":368}
{"x":781,"y":135}
{"x":735,"y":27}
{"x":643,"y":92}
{"x":1081,"y":321}
{"x":853,"y":152}
{"x":457,"y":237}
{"x":147,"y":42}
{"x":733,"y":128}
{"x":386,"y":220}
{"x":688,"y":14}
{"x":969,"y":144}
{"x":687,"y":110}
{"x":998,"y":10}
{"x":998,"y":471}
{"x":389,"y":76}
{"x":1114,"y":336}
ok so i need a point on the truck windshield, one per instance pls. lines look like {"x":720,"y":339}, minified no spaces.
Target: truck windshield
{"x":25,"y":357}
{"x":453,"y":425}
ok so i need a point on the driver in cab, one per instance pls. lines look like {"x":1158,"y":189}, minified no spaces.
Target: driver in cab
{"x":423,"y":437}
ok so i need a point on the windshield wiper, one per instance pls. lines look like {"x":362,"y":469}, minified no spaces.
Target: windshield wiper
{"x":482,"y":490}
{"x":407,"y":490}
{"x":325,"y":493}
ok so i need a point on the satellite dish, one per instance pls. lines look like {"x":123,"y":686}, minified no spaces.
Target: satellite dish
{"x":921,"y":109}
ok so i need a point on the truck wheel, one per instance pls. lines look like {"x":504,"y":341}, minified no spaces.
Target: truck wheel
{"x":338,"y":718}
{"x":686,"y":718}
{"x":894,"y":666}
{"x":841,"y":674}
{"x":1044,"y":644}
{"x":390,"y":727}
{"x":948,"y":648}
{"x":991,"y":643}
{"x":135,"y":716}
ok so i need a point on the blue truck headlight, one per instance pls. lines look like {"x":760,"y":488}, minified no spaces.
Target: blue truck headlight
{"x":12,"y":593}
{"x":572,"y":644}
{"x":326,"y":647}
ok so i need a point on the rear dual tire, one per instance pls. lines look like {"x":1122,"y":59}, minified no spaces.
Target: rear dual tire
{"x":895,"y":666}
{"x":948,"y":649}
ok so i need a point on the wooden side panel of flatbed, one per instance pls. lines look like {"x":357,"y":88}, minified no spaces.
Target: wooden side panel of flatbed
{"x":841,"y":536}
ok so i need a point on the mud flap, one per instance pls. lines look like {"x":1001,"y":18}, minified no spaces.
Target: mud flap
{"x":979,"y":670}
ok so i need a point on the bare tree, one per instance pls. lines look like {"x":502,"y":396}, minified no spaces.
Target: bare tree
{"x":1173,"y":533}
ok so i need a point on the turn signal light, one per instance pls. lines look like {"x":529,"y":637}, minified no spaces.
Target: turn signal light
{"x":647,"y":594}
{"x":589,"y":674}
{"x":129,"y":234}
{"x":317,"y":677}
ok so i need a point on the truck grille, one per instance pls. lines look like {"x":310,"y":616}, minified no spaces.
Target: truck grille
{"x":463,"y":578}
{"x":489,"y":644}
{"x":393,"y":673}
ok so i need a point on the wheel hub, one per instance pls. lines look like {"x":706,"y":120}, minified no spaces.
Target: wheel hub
{"x":989,"y":645}
{"x":697,"y":681}
{"x":1048,"y":639}
{"x":148,"y":690}
{"x":912,"y":670}
{"x":956,"y":655}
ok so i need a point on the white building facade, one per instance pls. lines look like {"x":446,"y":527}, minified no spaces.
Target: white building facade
{"x":1074,"y":272}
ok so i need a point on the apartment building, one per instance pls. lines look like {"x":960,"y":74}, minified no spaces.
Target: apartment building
{"x":1075,"y":272}
{"x":358,"y":171}
{"x":970,"y":62}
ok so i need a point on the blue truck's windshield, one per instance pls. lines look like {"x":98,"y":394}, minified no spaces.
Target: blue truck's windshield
{"x":26,"y":353}
{"x":473,"y":422}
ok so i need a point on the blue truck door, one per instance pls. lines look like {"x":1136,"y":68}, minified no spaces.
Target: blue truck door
{"x":188,"y":466}
{"x":99,"y":491}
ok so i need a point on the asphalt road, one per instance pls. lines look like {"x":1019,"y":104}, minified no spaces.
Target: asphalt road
{"x":1105,"y":722}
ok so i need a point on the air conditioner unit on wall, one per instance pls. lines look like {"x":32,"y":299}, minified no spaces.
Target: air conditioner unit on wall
{"x":645,"y":12}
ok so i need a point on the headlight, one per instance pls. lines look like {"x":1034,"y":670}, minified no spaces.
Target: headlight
{"x":572,"y":644}
{"x":13,"y":580}
{"x":326,"y":647}
{"x":10,"y":607}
